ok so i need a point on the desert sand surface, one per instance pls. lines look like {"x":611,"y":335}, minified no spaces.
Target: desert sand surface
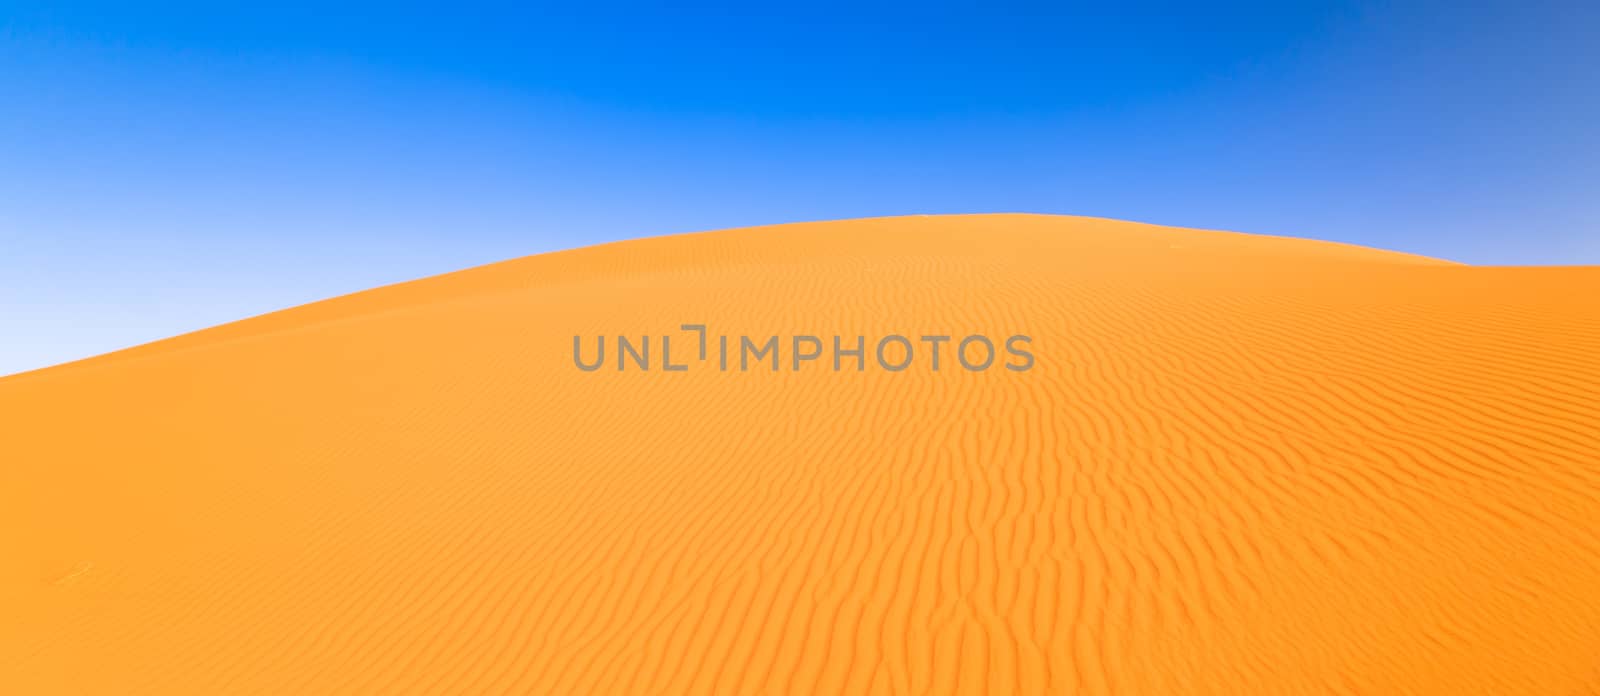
{"x":1239,"y":464}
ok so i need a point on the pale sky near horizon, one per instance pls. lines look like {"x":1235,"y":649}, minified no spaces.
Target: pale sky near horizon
{"x":166,"y":170}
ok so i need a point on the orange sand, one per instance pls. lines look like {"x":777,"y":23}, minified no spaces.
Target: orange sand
{"x":1242,"y":464}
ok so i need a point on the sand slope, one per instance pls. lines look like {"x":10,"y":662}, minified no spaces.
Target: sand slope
{"x":1241,"y":464}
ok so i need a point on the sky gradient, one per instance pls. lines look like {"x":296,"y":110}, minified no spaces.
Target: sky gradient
{"x":166,"y":170}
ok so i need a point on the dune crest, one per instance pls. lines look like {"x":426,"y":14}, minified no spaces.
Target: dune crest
{"x":1237,"y":464}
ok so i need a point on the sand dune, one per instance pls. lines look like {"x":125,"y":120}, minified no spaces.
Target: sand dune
{"x":1239,"y":464}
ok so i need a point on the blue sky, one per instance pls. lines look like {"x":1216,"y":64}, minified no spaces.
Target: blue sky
{"x":163,"y":170}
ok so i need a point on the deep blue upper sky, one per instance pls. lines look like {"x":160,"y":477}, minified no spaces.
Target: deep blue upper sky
{"x":164,"y":170}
